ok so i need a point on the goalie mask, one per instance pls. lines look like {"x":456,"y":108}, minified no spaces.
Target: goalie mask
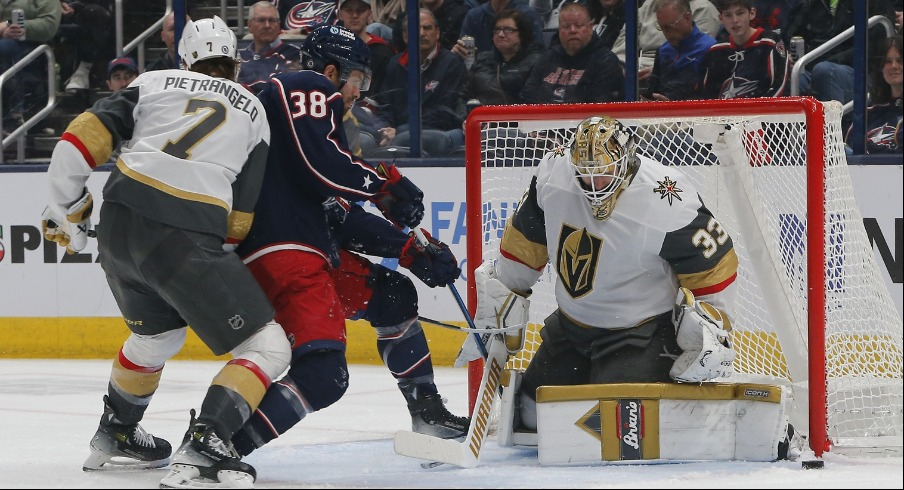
{"x":602,"y":154}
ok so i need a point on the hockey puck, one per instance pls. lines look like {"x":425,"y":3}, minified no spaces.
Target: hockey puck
{"x":813,"y":464}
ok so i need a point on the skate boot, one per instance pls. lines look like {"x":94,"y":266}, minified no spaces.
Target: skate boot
{"x":207,"y":461}
{"x":429,"y":415}
{"x":116,"y":446}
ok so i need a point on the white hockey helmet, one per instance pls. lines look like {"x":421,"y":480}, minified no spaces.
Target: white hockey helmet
{"x":206,"y":38}
{"x":602,"y":154}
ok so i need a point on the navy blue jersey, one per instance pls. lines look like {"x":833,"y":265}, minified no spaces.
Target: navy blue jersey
{"x":308,"y":163}
{"x":759,"y":68}
{"x":258,"y":67}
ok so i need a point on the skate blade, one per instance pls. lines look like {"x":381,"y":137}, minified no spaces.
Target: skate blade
{"x":99,"y":461}
{"x":189,"y":476}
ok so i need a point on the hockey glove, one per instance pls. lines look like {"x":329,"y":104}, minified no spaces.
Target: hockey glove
{"x":399,"y":200}
{"x":69,"y":228}
{"x":702,"y":333}
{"x":498,"y":307}
{"x":434,"y":264}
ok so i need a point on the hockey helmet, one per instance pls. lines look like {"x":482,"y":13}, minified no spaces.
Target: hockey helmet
{"x":602,"y":154}
{"x":332,"y":44}
{"x":206,"y":38}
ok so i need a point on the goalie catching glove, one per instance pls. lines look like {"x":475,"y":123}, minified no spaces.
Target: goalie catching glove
{"x":702,"y":333}
{"x":498,"y":307}
{"x":399,"y":200}
{"x":69,"y":227}
{"x":433,"y":263}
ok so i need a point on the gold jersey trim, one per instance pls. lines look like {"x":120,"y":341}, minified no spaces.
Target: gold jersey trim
{"x":168,"y":189}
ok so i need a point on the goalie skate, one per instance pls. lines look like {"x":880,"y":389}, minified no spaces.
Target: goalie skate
{"x":206,"y":461}
{"x":125,"y":447}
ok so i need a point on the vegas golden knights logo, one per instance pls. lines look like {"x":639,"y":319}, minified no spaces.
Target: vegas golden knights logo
{"x":579,"y":253}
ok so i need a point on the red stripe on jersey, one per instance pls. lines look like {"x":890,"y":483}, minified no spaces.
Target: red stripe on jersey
{"x":80,"y":147}
{"x":254,"y":368}
{"x":131,"y":366}
{"x":715,"y":288}
{"x":516,"y":259}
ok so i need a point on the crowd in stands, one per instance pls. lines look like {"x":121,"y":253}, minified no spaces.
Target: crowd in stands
{"x":527,"y":51}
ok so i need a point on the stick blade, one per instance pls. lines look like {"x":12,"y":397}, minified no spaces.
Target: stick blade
{"x":450,"y":451}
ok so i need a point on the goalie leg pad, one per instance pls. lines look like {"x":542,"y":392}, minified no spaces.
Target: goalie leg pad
{"x":660,"y":421}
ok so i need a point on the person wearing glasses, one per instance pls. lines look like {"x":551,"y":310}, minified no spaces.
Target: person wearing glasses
{"x":498,"y":76}
{"x":679,"y":61}
{"x":650,"y":37}
{"x":267,"y":54}
{"x":579,"y":69}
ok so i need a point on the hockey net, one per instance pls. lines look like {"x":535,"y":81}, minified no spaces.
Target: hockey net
{"x":812,"y":310}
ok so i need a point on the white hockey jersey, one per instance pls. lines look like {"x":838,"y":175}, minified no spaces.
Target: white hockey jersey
{"x":191,"y":138}
{"x":622,"y":271}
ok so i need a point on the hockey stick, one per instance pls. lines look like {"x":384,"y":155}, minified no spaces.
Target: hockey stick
{"x":467,"y":452}
{"x":461,"y":304}
{"x":449,"y":326}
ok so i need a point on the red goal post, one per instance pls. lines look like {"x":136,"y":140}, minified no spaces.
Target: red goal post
{"x":814,"y":313}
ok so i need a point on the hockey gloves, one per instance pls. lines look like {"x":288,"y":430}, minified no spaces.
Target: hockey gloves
{"x":702,"y":333}
{"x":433,"y":263}
{"x":69,"y":227}
{"x":399,"y":200}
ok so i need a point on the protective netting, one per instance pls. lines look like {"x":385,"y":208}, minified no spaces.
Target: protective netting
{"x":762,"y":201}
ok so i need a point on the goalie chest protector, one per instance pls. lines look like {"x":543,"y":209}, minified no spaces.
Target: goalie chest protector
{"x":660,"y":421}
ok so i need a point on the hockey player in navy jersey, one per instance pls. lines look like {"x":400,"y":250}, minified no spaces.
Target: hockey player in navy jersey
{"x":293,"y":249}
{"x":753,"y":61}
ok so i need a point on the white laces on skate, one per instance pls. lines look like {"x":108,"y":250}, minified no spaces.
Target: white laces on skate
{"x":143,"y":438}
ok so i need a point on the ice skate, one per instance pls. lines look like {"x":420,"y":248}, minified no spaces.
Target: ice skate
{"x":206,"y":461}
{"x":117,"y":446}
{"x":429,"y":415}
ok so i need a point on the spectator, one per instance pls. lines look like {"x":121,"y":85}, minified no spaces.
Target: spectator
{"x":450,"y":14}
{"x":831,"y":75}
{"x":650,"y":37}
{"x":120,"y":73}
{"x":679,"y":61}
{"x":88,"y":26}
{"x":300,"y":16}
{"x":267,"y":54}
{"x":498,"y":76}
{"x":608,"y":17}
{"x":771,"y":15}
{"x":442,"y":77}
{"x":480,"y":20}
{"x":579,"y":69}
{"x":42,"y":19}
{"x":884,"y":115}
{"x":168,"y":60}
{"x":753,"y":62}
{"x":356,"y":16}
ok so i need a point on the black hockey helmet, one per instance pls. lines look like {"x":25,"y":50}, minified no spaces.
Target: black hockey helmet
{"x":332,"y":44}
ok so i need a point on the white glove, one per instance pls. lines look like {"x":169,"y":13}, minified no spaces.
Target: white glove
{"x":702,"y":333}
{"x":69,"y":227}
{"x":498,"y":307}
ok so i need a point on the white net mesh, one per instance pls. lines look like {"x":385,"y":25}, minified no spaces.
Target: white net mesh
{"x":764,"y":203}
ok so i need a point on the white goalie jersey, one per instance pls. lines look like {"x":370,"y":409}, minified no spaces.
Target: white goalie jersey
{"x":618,"y":272}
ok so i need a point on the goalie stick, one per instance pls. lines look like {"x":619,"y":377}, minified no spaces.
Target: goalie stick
{"x":467,"y":452}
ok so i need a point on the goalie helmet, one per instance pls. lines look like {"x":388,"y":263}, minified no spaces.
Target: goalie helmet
{"x":331,"y":44}
{"x":206,"y":38}
{"x":602,"y":154}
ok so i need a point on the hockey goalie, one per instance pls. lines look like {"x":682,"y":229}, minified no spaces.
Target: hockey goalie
{"x":635,"y":362}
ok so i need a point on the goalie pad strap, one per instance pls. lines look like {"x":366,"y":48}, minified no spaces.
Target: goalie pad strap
{"x":664,"y":421}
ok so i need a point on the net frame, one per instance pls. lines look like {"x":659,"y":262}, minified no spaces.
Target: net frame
{"x":820,"y":134}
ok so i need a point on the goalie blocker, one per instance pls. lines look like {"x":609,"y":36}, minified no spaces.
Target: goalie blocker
{"x":651,"y":421}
